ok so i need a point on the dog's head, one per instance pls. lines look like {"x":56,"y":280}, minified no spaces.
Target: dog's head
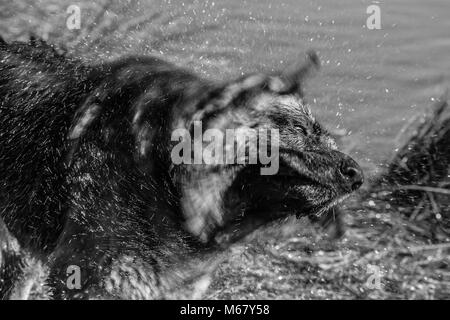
{"x":252,"y":152}
{"x":234,"y":156}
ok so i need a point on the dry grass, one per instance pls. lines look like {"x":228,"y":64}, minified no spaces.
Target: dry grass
{"x":299,"y":261}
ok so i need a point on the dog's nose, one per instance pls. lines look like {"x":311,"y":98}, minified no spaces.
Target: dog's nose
{"x":352,"y":173}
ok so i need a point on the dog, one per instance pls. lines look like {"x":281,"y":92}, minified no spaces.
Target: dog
{"x":88,"y":182}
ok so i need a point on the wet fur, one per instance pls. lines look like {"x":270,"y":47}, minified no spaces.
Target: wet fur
{"x":87,"y":179}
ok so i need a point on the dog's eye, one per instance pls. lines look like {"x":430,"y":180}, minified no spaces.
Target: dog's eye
{"x":317,"y":129}
{"x":303,"y":130}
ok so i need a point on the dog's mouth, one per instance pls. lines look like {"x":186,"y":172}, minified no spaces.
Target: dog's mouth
{"x":327,"y":207}
{"x":287,"y":197}
{"x":273,"y":198}
{"x":249,"y":223}
{"x":318,"y":195}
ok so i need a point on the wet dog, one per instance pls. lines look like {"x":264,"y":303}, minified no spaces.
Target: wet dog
{"x":88,"y":181}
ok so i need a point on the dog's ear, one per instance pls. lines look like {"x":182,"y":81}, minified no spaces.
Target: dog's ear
{"x":291,"y":80}
{"x":228,"y":94}
{"x":288,"y":82}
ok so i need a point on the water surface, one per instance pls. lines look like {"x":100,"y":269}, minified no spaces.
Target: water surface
{"x":372,"y":81}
